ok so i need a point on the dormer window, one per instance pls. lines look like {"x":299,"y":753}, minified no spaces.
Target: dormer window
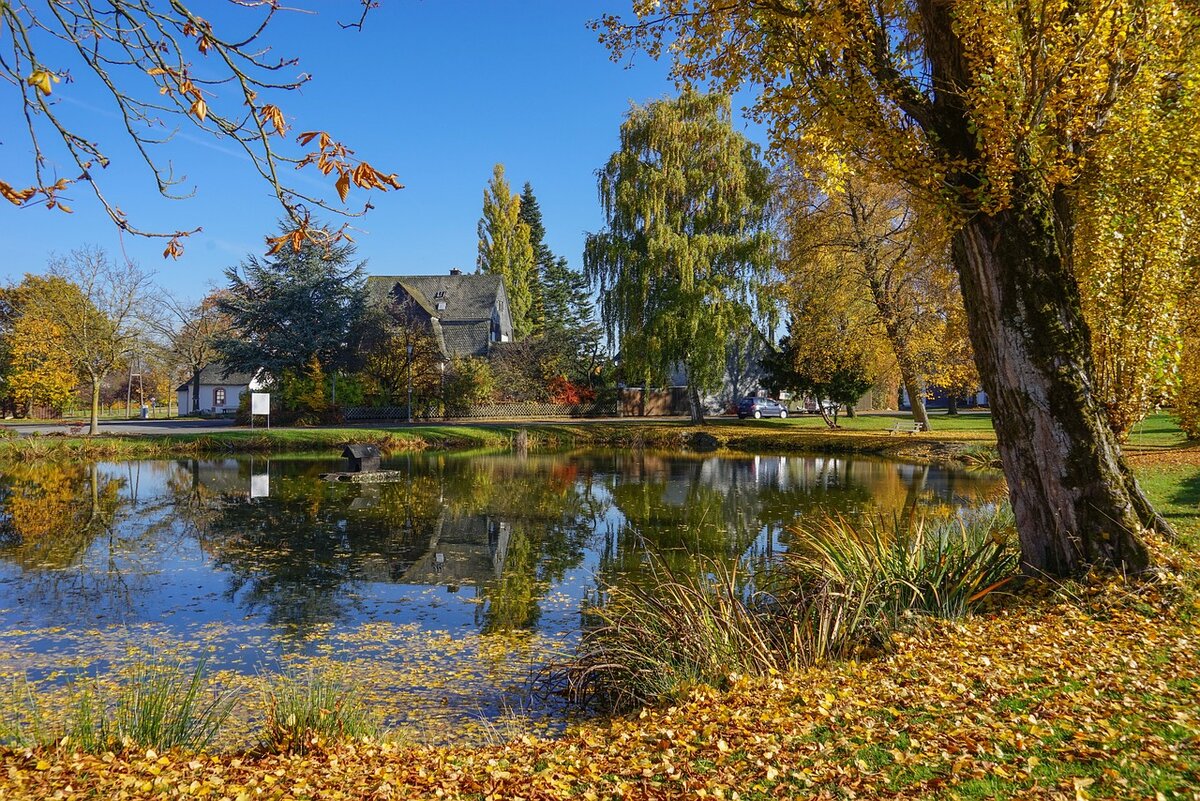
{"x":439,"y":295}
{"x":441,"y":306}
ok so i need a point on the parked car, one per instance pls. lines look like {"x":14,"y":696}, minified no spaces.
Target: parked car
{"x":811,"y":406}
{"x":760,"y":407}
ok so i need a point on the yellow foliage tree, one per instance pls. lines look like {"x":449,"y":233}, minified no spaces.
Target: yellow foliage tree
{"x":889,"y":254}
{"x":40,"y":369}
{"x":1139,"y":222}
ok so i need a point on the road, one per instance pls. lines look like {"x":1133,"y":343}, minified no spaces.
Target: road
{"x":171,"y":426}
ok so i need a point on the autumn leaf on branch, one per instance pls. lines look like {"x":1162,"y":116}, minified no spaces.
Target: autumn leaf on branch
{"x":128,"y":42}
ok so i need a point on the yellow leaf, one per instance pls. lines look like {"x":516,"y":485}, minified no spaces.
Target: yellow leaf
{"x":200,"y":108}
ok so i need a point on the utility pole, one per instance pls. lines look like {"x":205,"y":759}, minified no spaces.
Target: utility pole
{"x":129,"y":383}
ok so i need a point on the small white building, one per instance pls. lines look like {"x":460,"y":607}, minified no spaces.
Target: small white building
{"x":219,"y":391}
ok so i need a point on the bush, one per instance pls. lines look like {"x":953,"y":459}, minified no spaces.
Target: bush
{"x":469,"y":382}
{"x":847,"y":589}
{"x":563,"y":391}
{"x":525,"y":370}
{"x":304,"y":711}
{"x":908,"y":568}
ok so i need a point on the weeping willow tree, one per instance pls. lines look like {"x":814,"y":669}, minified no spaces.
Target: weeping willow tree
{"x":682,"y":263}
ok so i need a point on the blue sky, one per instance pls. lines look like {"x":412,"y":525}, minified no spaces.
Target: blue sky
{"x":436,"y":91}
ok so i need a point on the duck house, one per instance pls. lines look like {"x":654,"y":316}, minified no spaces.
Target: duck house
{"x":362,"y":458}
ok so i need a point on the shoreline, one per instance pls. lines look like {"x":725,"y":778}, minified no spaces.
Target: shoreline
{"x":716,"y":436}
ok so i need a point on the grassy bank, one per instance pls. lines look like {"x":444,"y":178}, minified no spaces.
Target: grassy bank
{"x":966,"y":437}
{"x":286,"y":440}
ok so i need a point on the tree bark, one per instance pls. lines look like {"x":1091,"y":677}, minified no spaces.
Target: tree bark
{"x":916,"y":398}
{"x":1075,"y":501}
{"x":94,"y":421}
{"x":195,"y":390}
{"x":951,"y":403}
{"x":697,"y":409}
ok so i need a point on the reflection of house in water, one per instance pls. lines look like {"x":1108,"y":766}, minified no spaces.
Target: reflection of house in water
{"x":468,"y":550}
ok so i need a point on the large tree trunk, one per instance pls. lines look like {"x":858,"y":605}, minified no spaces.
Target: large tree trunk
{"x":1076,"y":503}
{"x":195,"y":390}
{"x":951,"y":403}
{"x":916,"y":398}
{"x":94,"y":420}
{"x":696,"y":408}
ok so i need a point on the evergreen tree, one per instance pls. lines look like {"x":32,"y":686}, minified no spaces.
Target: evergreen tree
{"x":292,"y":307}
{"x":531,"y":214}
{"x":505,"y":249}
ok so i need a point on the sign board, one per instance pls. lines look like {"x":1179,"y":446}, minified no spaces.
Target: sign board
{"x":260,"y":403}
{"x":260,"y":485}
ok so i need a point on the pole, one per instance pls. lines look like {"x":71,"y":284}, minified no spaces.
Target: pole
{"x":410,"y":352}
{"x":129,"y":387}
{"x":442,"y":386}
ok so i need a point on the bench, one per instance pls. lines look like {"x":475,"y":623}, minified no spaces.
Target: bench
{"x":907,"y":428}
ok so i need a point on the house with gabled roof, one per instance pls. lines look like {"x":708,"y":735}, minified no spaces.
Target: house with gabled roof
{"x":468,"y":313}
{"x":221,"y":390}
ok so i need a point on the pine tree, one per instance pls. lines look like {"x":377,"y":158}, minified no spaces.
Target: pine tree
{"x":288,"y":308}
{"x":505,"y":249}
{"x":531,"y":214}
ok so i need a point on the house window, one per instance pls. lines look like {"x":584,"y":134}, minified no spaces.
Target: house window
{"x":219,"y":396}
{"x":441,"y":293}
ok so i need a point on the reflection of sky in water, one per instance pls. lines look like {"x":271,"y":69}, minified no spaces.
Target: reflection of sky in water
{"x":260,"y":558}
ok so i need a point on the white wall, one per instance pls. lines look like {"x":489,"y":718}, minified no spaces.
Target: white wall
{"x":233,"y":395}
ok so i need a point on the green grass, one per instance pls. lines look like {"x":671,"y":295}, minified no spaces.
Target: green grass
{"x":307,"y":710}
{"x":154,"y":704}
{"x":965,"y":435}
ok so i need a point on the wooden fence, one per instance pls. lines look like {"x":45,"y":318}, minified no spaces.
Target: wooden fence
{"x":354,"y":414}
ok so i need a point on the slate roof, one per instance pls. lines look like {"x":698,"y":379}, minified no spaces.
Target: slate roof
{"x":215,"y":374}
{"x":472,"y":338}
{"x":467,"y":297}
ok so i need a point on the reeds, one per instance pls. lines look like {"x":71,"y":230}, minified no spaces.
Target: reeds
{"x":154,"y":704}
{"x":844,"y":590}
{"x":306,"y":710}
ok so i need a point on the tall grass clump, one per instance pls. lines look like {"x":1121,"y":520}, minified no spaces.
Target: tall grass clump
{"x":845,"y":588}
{"x":155,"y":704}
{"x":658,"y":637}
{"x":307,"y":710}
{"x":163,"y":705}
{"x":906,"y":568}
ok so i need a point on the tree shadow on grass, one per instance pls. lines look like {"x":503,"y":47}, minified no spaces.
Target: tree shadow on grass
{"x":1188,"y":492}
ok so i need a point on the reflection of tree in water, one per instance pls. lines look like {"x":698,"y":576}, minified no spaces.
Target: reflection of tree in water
{"x":510,"y":527}
{"x":551,"y":509}
{"x":79,"y":534}
{"x":300,"y":553}
{"x":689,"y":509}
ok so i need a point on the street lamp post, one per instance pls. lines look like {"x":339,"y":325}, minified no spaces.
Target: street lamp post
{"x":410,"y":353}
{"x":442,"y":386}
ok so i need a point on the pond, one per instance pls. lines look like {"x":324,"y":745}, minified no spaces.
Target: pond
{"x":442,"y":593}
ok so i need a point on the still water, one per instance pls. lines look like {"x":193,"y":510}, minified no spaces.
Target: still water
{"x":442,"y":593}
